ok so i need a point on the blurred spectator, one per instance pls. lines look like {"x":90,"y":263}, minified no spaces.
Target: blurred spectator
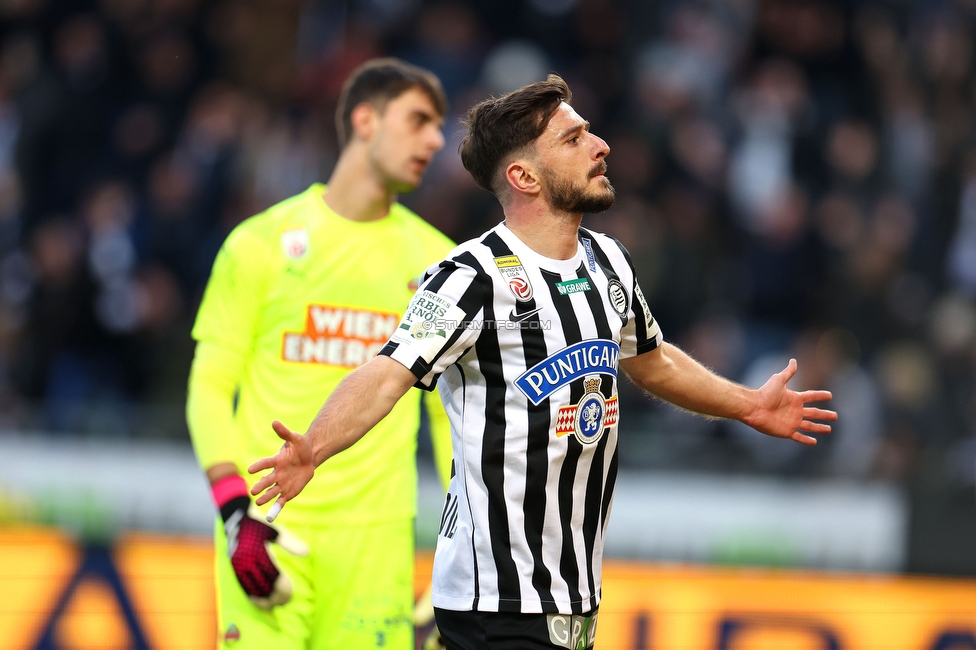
{"x":70,"y":358}
{"x":794,"y":177}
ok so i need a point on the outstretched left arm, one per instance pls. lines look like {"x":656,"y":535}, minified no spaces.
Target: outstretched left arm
{"x":672,"y":375}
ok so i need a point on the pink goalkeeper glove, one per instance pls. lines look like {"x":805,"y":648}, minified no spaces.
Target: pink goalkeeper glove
{"x":249,"y":541}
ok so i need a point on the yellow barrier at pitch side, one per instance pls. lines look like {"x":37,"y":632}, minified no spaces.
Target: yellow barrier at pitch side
{"x":157,"y":592}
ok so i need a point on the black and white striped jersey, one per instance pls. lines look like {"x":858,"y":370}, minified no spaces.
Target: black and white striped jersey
{"x":526,"y":350}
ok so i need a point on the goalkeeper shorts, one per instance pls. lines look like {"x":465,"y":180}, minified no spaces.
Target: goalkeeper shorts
{"x":353,"y":590}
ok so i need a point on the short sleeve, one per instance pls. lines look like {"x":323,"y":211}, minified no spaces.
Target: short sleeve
{"x":436,"y":329}
{"x":641,"y":333}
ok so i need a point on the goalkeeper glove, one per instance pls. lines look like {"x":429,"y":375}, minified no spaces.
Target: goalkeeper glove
{"x":249,"y":541}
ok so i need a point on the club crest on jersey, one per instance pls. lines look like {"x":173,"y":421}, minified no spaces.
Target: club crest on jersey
{"x":510,"y":266}
{"x":589,"y":417}
{"x":569,"y":364}
{"x":232,"y":635}
{"x":294,"y":243}
{"x":618,"y":297}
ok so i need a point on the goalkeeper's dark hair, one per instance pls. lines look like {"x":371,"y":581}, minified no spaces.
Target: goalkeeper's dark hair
{"x":498,"y":127}
{"x":379,"y":81}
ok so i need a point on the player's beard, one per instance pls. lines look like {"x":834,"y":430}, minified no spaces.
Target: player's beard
{"x":566,"y":196}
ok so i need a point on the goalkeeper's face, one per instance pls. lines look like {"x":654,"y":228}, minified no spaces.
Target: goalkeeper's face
{"x":408,"y":135}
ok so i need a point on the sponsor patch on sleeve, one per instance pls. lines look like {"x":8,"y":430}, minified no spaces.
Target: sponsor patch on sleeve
{"x":648,"y":319}
{"x":428,"y":323}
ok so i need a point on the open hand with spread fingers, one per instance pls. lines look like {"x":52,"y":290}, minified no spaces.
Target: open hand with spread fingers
{"x":291,"y":470}
{"x":783,"y":413}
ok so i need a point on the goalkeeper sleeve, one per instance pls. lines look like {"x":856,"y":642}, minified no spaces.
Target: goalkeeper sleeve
{"x":249,"y":541}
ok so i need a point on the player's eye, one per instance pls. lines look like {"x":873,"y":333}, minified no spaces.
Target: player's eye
{"x":421,"y":119}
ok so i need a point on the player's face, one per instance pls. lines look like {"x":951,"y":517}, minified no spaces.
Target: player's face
{"x":407,"y":137}
{"x":573,"y":163}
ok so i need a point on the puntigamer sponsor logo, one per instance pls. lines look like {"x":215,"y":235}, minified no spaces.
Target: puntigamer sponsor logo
{"x":573,"y":286}
{"x":583,"y":358}
{"x":339,"y":336}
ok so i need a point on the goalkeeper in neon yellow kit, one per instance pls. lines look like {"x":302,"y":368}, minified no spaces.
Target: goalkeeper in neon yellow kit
{"x":299,"y":296}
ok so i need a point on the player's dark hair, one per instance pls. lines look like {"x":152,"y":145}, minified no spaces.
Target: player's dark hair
{"x":379,"y":81}
{"x":499,"y":126}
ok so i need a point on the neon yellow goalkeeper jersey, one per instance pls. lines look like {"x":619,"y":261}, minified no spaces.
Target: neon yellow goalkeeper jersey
{"x":298,"y":298}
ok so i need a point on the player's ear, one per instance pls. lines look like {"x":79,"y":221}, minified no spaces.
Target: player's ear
{"x":364,"y":118}
{"x":522,"y":177}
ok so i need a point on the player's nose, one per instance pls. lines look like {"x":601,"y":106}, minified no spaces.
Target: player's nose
{"x":435,"y":139}
{"x":601,"y":149}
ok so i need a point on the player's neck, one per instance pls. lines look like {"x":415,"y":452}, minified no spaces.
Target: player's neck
{"x":354,"y":194}
{"x":552,"y":235}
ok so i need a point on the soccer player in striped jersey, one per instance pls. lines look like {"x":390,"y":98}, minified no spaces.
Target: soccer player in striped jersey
{"x":525,"y":330}
{"x":300,"y":295}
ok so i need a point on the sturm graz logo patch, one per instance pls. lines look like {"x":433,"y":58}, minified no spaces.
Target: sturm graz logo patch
{"x":618,"y":297}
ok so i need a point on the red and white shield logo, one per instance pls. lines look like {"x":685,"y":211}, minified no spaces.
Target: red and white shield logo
{"x":521,"y":288}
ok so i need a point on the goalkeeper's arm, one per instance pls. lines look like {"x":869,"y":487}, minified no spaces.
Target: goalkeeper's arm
{"x":209,"y":410}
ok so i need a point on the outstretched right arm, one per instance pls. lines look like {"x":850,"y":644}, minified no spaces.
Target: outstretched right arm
{"x":357,"y":404}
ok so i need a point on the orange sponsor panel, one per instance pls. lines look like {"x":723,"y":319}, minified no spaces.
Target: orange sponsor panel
{"x":339,"y":336}
{"x":705,"y":608}
{"x":37,"y":565}
{"x":168,"y":583}
{"x":171,"y":585}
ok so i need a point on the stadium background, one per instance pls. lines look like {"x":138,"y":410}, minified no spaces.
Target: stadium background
{"x":794,"y":177}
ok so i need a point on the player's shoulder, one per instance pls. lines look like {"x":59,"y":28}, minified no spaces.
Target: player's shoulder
{"x":262,"y":231}
{"x":467,"y":259}
{"x":475,"y":252}
{"x":420,"y":228}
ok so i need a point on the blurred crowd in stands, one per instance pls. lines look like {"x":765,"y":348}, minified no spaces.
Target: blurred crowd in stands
{"x":794,"y":178}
